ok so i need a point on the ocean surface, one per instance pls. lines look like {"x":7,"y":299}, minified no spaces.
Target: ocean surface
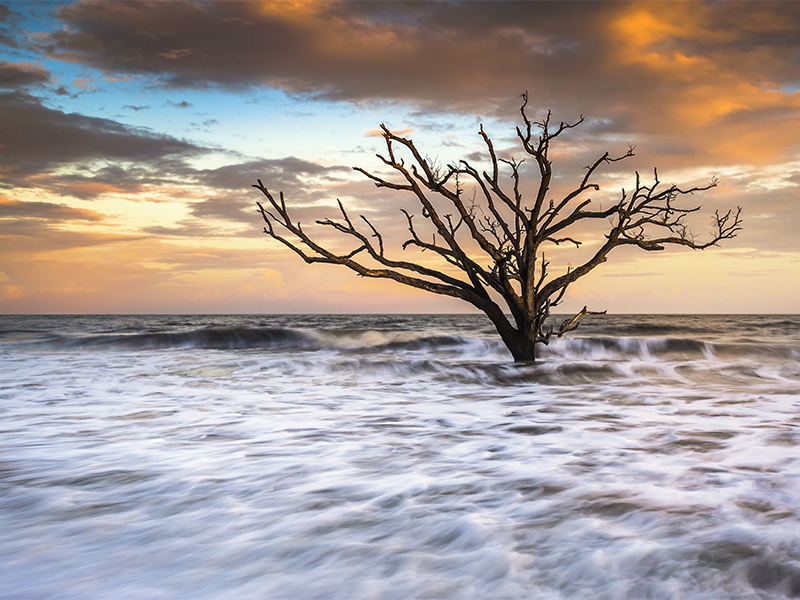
{"x":249,"y":457}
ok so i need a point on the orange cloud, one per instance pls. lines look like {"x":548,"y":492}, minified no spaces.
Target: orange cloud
{"x":712,"y":85}
{"x":83,"y":189}
{"x":378,"y":132}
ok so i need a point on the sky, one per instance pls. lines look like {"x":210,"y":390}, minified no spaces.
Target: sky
{"x":131,"y":133}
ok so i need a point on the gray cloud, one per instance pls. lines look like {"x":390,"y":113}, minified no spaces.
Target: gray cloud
{"x":443,"y":51}
{"x":33,"y":133}
{"x":278,"y":173}
{"x":236,"y":203}
{"x":17,"y":75}
{"x":186,"y":228}
{"x":8,"y":29}
{"x":708,"y":78}
{"x":35,"y":139}
{"x":106,"y":156}
{"x":30,"y":236}
{"x":794,"y":178}
{"x":228,"y":208}
{"x":339,"y":50}
{"x":46,"y":211}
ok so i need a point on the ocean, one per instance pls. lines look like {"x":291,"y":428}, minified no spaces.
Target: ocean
{"x":398,"y":456}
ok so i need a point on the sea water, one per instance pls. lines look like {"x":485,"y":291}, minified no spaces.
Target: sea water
{"x":246,"y":457}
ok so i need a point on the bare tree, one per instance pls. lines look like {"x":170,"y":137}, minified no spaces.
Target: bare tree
{"x":493,"y":240}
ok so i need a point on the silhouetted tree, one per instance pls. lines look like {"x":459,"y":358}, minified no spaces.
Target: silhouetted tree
{"x":494,"y":240}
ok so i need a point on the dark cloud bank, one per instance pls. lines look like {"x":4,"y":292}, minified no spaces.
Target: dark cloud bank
{"x":453,"y":53}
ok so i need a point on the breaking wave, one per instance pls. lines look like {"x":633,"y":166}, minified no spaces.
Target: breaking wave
{"x":376,"y":341}
{"x":243,"y":338}
{"x":611,"y":348}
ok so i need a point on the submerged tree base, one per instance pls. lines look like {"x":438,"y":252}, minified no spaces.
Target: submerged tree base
{"x":523,"y":349}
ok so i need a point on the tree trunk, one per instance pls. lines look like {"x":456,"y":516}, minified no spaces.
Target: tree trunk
{"x":519,"y":343}
{"x":522,"y":348}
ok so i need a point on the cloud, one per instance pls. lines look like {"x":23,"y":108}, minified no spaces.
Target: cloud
{"x":721,"y":77}
{"x":176,"y":54}
{"x":36,"y":140}
{"x":340,"y":50}
{"x":278,"y":174}
{"x":379,"y":133}
{"x":187,"y":228}
{"x":395,"y":50}
{"x":8,"y":28}
{"x":235,"y":209}
{"x":31,"y":227}
{"x":27,"y":238}
{"x":23,"y":74}
{"x":46,"y":211}
{"x":235,"y":204}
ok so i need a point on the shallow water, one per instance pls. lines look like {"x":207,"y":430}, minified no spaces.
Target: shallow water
{"x":398,"y":457}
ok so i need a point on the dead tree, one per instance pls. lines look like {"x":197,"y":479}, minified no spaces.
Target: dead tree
{"x":494,"y":241}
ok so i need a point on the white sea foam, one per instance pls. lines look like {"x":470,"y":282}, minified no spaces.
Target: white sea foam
{"x":397,"y":457}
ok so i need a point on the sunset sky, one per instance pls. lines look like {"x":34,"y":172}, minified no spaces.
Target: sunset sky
{"x":130,"y":134}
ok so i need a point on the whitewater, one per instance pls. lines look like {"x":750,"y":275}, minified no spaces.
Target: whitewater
{"x":398,"y":456}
